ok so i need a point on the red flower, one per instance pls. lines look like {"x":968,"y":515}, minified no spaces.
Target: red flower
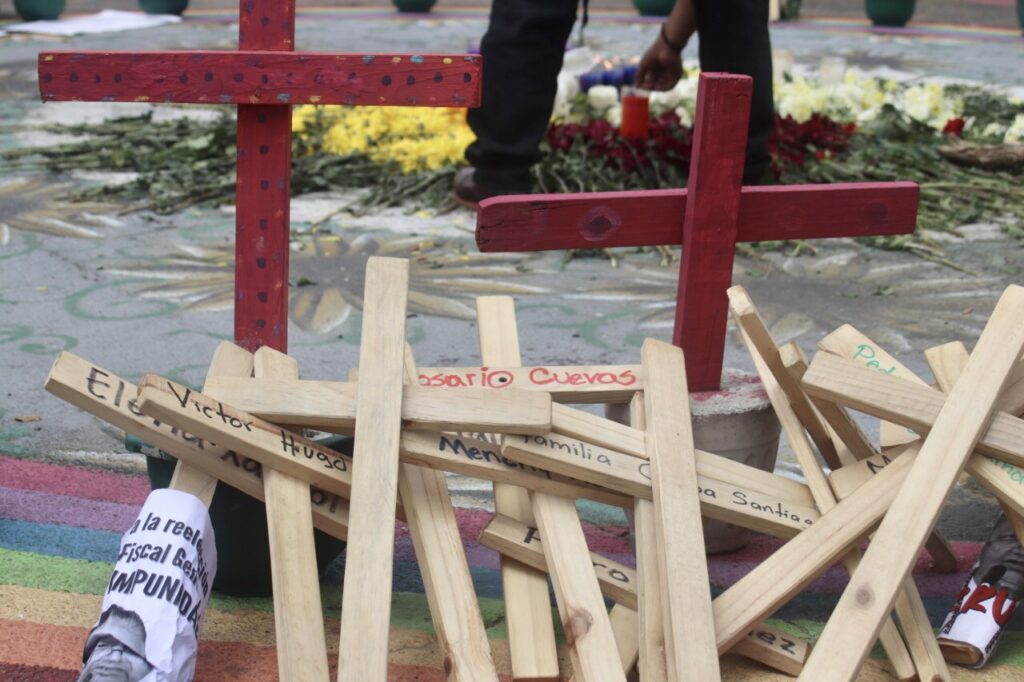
{"x":954,"y":126}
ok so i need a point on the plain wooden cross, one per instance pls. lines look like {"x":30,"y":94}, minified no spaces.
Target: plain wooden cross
{"x":708,"y":218}
{"x":263,"y":78}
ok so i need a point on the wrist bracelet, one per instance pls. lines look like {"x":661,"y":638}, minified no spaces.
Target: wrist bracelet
{"x":665,"y":39}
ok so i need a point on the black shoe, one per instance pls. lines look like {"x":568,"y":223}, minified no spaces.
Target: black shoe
{"x":468,"y":192}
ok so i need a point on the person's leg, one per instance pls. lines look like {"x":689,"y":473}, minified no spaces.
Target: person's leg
{"x":522,"y":55}
{"x":733,"y":37}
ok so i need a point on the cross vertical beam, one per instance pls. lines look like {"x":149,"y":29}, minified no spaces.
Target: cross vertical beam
{"x":708,"y":217}
{"x":263,"y":190}
{"x":713,"y":203}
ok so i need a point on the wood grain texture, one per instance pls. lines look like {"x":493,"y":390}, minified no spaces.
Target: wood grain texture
{"x":906,"y":403}
{"x":889,"y":636}
{"x":331,"y":406}
{"x":722,"y":500}
{"x":847,"y":636}
{"x":849,"y":342}
{"x":263,"y":171}
{"x":531,"y":631}
{"x":262,"y":225}
{"x":585,"y":426}
{"x":588,"y":632}
{"x":756,"y":332}
{"x":620,"y":583}
{"x":652,"y":657}
{"x":565,"y":383}
{"x":261,"y":76}
{"x":710,"y":224}
{"x":851,"y":443}
{"x":524,"y":543}
{"x":298,"y":613}
{"x":591,"y":430}
{"x":259,"y":440}
{"x":104,"y":394}
{"x":624,"y":627}
{"x":442,"y":561}
{"x":796,"y":564}
{"x":655,"y":217}
{"x":483,"y":460}
{"x":366,"y":595}
{"x":228,"y":360}
{"x":689,"y":623}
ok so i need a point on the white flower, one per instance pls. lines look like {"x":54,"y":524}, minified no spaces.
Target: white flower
{"x":994,"y":130}
{"x":568,"y":87}
{"x":663,"y":101}
{"x":685,"y":118}
{"x":601,"y":97}
{"x":1015,"y":133}
{"x":614,"y":115}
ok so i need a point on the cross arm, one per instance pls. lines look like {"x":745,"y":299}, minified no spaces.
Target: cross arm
{"x":261,"y":77}
{"x":655,"y":217}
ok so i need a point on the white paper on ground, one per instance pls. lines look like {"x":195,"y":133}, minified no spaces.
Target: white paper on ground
{"x":108,"y":20}
{"x":156,"y":598}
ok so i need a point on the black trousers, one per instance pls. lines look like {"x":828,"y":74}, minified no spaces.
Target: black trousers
{"x":522,"y":54}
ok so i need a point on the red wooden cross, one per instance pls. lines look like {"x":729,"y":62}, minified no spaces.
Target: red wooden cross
{"x":264,"y":78}
{"x":708,"y":217}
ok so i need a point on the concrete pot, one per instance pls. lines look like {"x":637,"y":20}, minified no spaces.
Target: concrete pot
{"x":37,"y":10}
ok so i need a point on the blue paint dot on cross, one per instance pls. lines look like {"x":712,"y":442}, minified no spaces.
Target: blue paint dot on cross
{"x":264,"y":184}
{"x":410,"y":80}
{"x":416,"y":59}
{"x":386,"y":80}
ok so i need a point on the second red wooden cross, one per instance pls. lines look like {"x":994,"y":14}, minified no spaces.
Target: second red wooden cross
{"x":264,"y":78}
{"x":708,"y":218}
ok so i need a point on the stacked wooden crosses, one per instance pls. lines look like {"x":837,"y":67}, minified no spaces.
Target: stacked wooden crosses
{"x":499,"y":422}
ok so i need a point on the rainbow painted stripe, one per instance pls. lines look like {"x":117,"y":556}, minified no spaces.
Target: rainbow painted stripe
{"x":60,"y":526}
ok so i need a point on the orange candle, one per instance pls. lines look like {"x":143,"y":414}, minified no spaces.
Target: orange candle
{"x":636,"y":121}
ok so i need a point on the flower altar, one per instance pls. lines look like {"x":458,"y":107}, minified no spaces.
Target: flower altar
{"x":832,"y":125}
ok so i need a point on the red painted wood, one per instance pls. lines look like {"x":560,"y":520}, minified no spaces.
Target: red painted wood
{"x":655,"y":217}
{"x":259,"y":76}
{"x":262,"y":226}
{"x":263,"y":185}
{"x":708,"y":218}
{"x":709,"y":226}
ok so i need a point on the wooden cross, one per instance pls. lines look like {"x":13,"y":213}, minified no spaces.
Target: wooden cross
{"x":708,"y":218}
{"x":264,"y":78}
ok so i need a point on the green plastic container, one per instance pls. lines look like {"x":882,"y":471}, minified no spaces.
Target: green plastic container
{"x":240,"y":526}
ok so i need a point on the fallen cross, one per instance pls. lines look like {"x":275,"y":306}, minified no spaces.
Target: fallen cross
{"x":516,"y":438}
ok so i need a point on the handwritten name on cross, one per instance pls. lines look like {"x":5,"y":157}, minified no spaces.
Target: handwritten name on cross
{"x":708,"y":218}
{"x":263,"y":78}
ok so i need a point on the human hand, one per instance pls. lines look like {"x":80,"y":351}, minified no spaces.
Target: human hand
{"x":660,"y":68}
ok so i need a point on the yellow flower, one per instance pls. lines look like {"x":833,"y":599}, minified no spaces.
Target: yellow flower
{"x":416,"y":138}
